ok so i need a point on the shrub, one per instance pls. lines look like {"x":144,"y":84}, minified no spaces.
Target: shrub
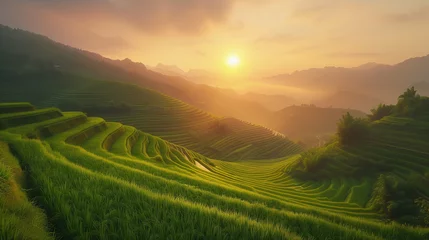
{"x":219,"y":128}
{"x":313,"y":159}
{"x":382,"y":110}
{"x":393,"y":197}
{"x":424,"y":210}
{"x":408,"y":103}
{"x":351,"y":130}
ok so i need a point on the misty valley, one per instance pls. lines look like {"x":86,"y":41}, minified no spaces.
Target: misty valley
{"x":94,"y":145}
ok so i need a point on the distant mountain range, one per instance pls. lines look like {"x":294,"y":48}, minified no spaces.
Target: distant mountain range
{"x":349,"y":99}
{"x":370,"y":82}
{"x":25,"y":53}
{"x":199,"y":76}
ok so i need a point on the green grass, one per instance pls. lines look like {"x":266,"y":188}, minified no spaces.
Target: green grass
{"x":19,"y":218}
{"x":156,"y":114}
{"x":15,"y":107}
{"x":111,"y":181}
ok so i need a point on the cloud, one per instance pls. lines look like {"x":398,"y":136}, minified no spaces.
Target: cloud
{"x":236,"y":26}
{"x":304,"y":49}
{"x":277,"y":39}
{"x":200,"y":53}
{"x":187,"y":16}
{"x":353,"y":54}
{"x":61,"y":29}
{"x":318,"y":10}
{"x":416,"y":15}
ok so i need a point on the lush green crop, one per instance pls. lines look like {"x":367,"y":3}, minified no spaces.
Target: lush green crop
{"x":98,"y":179}
{"x":153,"y":113}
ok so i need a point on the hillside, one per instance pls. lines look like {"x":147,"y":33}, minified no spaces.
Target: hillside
{"x":308,"y":123}
{"x":389,"y":156}
{"x":348,"y":99}
{"x":43,"y":69}
{"x":378,"y":81}
{"x":99,"y":179}
{"x":148,"y":111}
{"x":24,"y":52}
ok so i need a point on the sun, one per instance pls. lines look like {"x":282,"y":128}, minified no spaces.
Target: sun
{"x":232,"y":61}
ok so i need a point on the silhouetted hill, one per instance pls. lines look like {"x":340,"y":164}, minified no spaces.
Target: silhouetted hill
{"x":349,"y":99}
{"x":198,"y":76}
{"x":308,"y":123}
{"x":380,"y":81}
{"x":171,"y":70}
{"x":25,"y":51}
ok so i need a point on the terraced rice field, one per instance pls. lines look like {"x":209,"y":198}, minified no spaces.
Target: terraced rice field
{"x":165,"y":117}
{"x":106,"y":180}
{"x":398,"y":146}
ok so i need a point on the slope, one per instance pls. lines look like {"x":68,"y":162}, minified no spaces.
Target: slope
{"x":149,"y":111}
{"x":391,"y":154}
{"x":308,"y":123}
{"x":103,"y":179}
{"x":23,"y":51}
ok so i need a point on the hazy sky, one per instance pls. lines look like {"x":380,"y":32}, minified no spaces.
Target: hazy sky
{"x":270,"y":36}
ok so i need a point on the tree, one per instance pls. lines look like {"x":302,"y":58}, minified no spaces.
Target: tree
{"x":424,"y":209}
{"x":408,"y":103}
{"x":410,"y":93}
{"x":382,"y":110}
{"x":351,"y":130}
{"x":219,"y":128}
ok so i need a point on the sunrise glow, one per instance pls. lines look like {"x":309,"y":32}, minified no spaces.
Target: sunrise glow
{"x":233,"y":61}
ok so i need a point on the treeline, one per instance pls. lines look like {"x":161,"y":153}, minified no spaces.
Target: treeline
{"x":351,"y":130}
{"x":397,"y":199}
{"x":410,"y":104}
{"x":111,"y":107}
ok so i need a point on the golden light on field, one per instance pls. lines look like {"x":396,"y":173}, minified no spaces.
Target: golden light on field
{"x":232,"y":61}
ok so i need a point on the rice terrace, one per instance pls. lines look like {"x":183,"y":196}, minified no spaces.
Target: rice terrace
{"x":97,"y":148}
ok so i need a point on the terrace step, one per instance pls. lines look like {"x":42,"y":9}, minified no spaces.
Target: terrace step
{"x":15,"y":107}
{"x":10,"y":120}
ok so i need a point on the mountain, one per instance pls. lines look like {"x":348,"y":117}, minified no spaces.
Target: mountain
{"x":383,"y":82}
{"x":349,"y":99}
{"x":88,"y":150}
{"x":370,"y":65}
{"x":198,"y":76}
{"x":171,"y":70}
{"x":21,"y":50}
{"x":26,"y":57}
{"x":309,"y":124}
{"x":38,"y":70}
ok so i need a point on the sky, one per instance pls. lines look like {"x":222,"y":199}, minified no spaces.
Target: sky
{"x":270,"y":36}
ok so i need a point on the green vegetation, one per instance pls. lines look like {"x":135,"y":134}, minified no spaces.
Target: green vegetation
{"x":153,"y":167}
{"x":352,"y":130}
{"x":19,"y":218}
{"x":391,"y":153}
{"x":381,"y":111}
{"x":409,"y":103}
{"x":106,"y":180}
{"x":151,"y":112}
{"x":309,"y":124}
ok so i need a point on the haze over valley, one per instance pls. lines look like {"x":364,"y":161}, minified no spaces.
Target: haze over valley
{"x":230,"y":119}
